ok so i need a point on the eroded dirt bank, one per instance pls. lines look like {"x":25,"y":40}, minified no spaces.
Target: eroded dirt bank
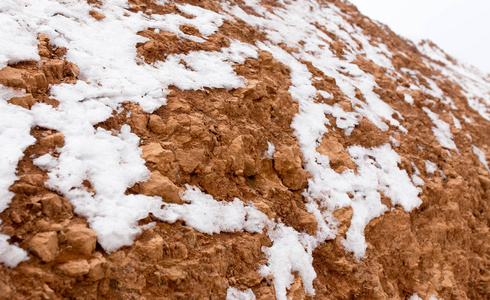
{"x":218,"y":139}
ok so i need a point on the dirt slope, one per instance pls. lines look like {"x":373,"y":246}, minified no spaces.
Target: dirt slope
{"x":216,"y":138}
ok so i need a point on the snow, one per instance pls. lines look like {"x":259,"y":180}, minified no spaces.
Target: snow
{"x":414,"y":297}
{"x":209,"y":216}
{"x":110,"y":74}
{"x":270,"y":150}
{"x":417,"y":181}
{"x":15,"y":127}
{"x":408,"y":98}
{"x":111,"y":161}
{"x":457,"y":123}
{"x":286,"y":255}
{"x":291,"y":251}
{"x":430,"y":167}
{"x":481,"y":157}
{"x":11,"y":255}
{"x":442,"y":131}
{"x":475,"y":84}
{"x":394,"y":141}
{"x":234,"y":294}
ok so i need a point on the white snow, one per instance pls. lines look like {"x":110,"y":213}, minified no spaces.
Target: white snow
{"x":270,"y":151}
{"x":209,"y":216}
{"x":235,"y":294}
{"x":15,"y":127}
{"x":11,"y":255}
{"x":481,"y":157}
{"x":430,"y":167}
{"x":475,"y":84}
{"x":394,"y":141}
{"x":286,"y":255}
{"x":417,"y":181}
{"x":442,"y":131}
{"x":408,"y":98}
{"x":110,"y":74}
{"x":457,"y":123}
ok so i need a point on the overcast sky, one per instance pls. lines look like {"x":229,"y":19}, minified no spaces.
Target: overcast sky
{"x":460,"y":27}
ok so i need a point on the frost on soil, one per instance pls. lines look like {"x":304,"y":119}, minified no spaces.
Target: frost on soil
{"x":110,"y":73}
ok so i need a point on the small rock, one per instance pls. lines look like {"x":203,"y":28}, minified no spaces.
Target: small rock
{"x":190,"y":159}
{"x":156,"y":124}
{"x":53,"y":69}
{"x":96,"y":15}
{"x":26,"y":101}
{"x":75,"y":268}
{"x":255,"y":90}
{"x":15,"y":217}
{"x":160,"y":185}
{"x":96,"y":271}
{"x":51,"y":204}
{"x":288,"y":164}
{"x":152,"y":248}
{"x":237,"y":155}
{"x":12,"y":77}
{"x":81,"y":238}
{"x":45,"y":245}
{"x":153,"y":153}
{"x":53,"y":140}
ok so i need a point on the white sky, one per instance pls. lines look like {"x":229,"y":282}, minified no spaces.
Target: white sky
{"x":461,"y":28}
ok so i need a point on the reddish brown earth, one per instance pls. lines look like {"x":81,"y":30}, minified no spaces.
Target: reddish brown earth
{"x":215,"y":139}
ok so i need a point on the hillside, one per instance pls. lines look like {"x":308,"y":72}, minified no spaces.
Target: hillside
{"x":154,"y":149}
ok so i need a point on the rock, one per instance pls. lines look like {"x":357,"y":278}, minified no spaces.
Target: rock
{"x":81,"y":238}
{"x":26,"y":101}
{"x":71,"y":70}
{"x":53,"y":69}
{"x":53,"y":140}
{"x":255,"y":90}
{"x":138,"y":120}
{"x":288,"y":164}
{"x":307,"y":221}
{"x":152,"y":248}
{"x":237,"y":155}
{"x":15,"y":217}
{"x":44,"y":245}
{"x":153,"y":152}
{"x":160,"y":185}
{"x":250,"y":166}
{"x":338,"y":157}
{"x":156,"y":124}
{"x":96,"y":266}
{"x":174,"y":274}
{"x":188,"y":160}
{"x":35,"y":82}
{"x":51,"y":204}
{"x":75,"y":268}
{"x":296,"y":291}
{"x":12,"y":77}
{"x":96,"y":15}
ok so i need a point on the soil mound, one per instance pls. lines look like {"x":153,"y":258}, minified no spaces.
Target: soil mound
{"x":154,"y":149}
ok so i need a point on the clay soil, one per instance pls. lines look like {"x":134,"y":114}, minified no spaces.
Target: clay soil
{"x":215,"y":139}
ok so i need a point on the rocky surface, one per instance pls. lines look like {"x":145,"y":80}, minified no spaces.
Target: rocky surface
{"x":217,"y":139}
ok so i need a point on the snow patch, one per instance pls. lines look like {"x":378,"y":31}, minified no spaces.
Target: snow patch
{"x":235,"y":294}
{"x":430,"y":167}
{"x":15,"y":126}
{"x":270,"y":150}
{"x":481,"y":157}
{"x":206,"y":215}
{"x":442,"y":131}
{"x":11,"y":255}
